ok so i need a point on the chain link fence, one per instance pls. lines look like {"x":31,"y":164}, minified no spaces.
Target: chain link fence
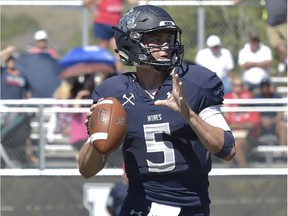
{"x":29,"y":138}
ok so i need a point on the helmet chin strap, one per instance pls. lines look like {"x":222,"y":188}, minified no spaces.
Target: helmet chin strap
{"x":159,"y":65}
{"x":163,"y":68}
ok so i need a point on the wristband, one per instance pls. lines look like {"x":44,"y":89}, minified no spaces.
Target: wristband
{"x":229,"y":143}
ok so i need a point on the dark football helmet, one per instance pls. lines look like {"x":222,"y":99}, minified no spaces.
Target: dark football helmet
{"x":141,"y":20}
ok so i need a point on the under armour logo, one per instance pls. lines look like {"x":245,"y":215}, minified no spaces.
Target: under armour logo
{"x":128,"y":99}
{"x":121,"y":121}
{"x":132,"y":212}
{"x":169,"y":94}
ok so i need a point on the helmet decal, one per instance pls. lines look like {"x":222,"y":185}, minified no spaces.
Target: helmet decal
{"x":166,"y":23}
{"x":128,"y":20}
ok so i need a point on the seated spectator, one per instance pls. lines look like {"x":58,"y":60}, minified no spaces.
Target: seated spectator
{"x":72,"y":125}
{"x":271,"y":123}
{"x":41,"y":45}
{"x":255,"y":60}
{"x":78,"y":131}
{"x":244,"y":125}
{"x":59,"y":123}
{"x":217,"y":59}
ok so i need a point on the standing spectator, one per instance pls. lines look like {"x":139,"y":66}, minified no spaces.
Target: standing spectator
{"x":40,"y":67}
{"x":217,"y":59}
{"x":41,"y":45}
{"x":244,"y":125}
{"x":41,"y":72}
{"x":13,"y":84}
{"x":6,"y":53}
{"x":15,"y":127}
{"x":277,"y":31}
{"x":276,"y":14}
{"x":117,"y":195}
{"x":174,"y":119}
{"x":271,"y":123}
{"x":107,"y":14}
{"x":255,"y":60}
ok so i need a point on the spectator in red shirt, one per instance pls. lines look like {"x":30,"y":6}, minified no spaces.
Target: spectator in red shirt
{"x":107,"y":14}
{"x":244,"y":125}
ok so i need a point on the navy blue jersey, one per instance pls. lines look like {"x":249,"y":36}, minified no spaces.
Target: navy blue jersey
{"x":164,"y":159}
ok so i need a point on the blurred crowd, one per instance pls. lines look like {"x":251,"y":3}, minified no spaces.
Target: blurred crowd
{"x":35,"y":74}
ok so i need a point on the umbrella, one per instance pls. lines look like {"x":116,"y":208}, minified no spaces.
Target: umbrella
{"x":86,"y":60}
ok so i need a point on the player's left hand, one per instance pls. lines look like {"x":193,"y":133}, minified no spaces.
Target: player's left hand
{"x":176,"y":101}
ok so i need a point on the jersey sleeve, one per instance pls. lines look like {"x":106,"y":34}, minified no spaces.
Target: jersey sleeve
{"x":211,"y":90}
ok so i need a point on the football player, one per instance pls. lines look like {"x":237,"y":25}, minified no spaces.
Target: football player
{"x":174,"y":119}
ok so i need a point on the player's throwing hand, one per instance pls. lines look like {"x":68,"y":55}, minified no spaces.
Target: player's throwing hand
{"x":176,"y":101}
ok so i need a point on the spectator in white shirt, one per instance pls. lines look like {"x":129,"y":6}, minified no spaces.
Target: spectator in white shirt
{"x":217,"y":59}
{"x":255,"y":60}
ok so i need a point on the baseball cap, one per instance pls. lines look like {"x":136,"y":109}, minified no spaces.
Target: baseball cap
{"x":265,"y":82}
{"x":254,"y":36}
{"x":213,"y":40}
{"x":40,"y":35}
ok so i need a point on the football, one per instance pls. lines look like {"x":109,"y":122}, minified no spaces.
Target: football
{"x":107,"y":125}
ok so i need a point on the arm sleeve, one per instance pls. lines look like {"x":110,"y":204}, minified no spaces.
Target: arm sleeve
{"x":213,"y":116}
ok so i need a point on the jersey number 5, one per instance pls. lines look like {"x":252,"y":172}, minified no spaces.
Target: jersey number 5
{"x":166,"y":147}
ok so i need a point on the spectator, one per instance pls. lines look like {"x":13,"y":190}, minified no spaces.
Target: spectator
{"x":6,"y":53}
{"x":40,"y":67}
{"x":217,"y":59}
{"x":106,"y":13}
{"x":72,"y":125}
{"x":13,"y":84}
{"x":255,"y":60}
{"x":41,"y":72}
{"x":277,"y":31}
{"x":41,"y":45}
{"x":82,"y":89}
{"x":117,"y":195}
{"x":15,"y":127}
{"x":276,"y":14}
{"x":59,"y":123}
{"x":271,"y":123}
{"x":244,"y":125}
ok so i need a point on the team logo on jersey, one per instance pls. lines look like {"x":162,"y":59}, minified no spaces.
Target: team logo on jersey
{"x":129,"y":97}
{"x":133,"y":212}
